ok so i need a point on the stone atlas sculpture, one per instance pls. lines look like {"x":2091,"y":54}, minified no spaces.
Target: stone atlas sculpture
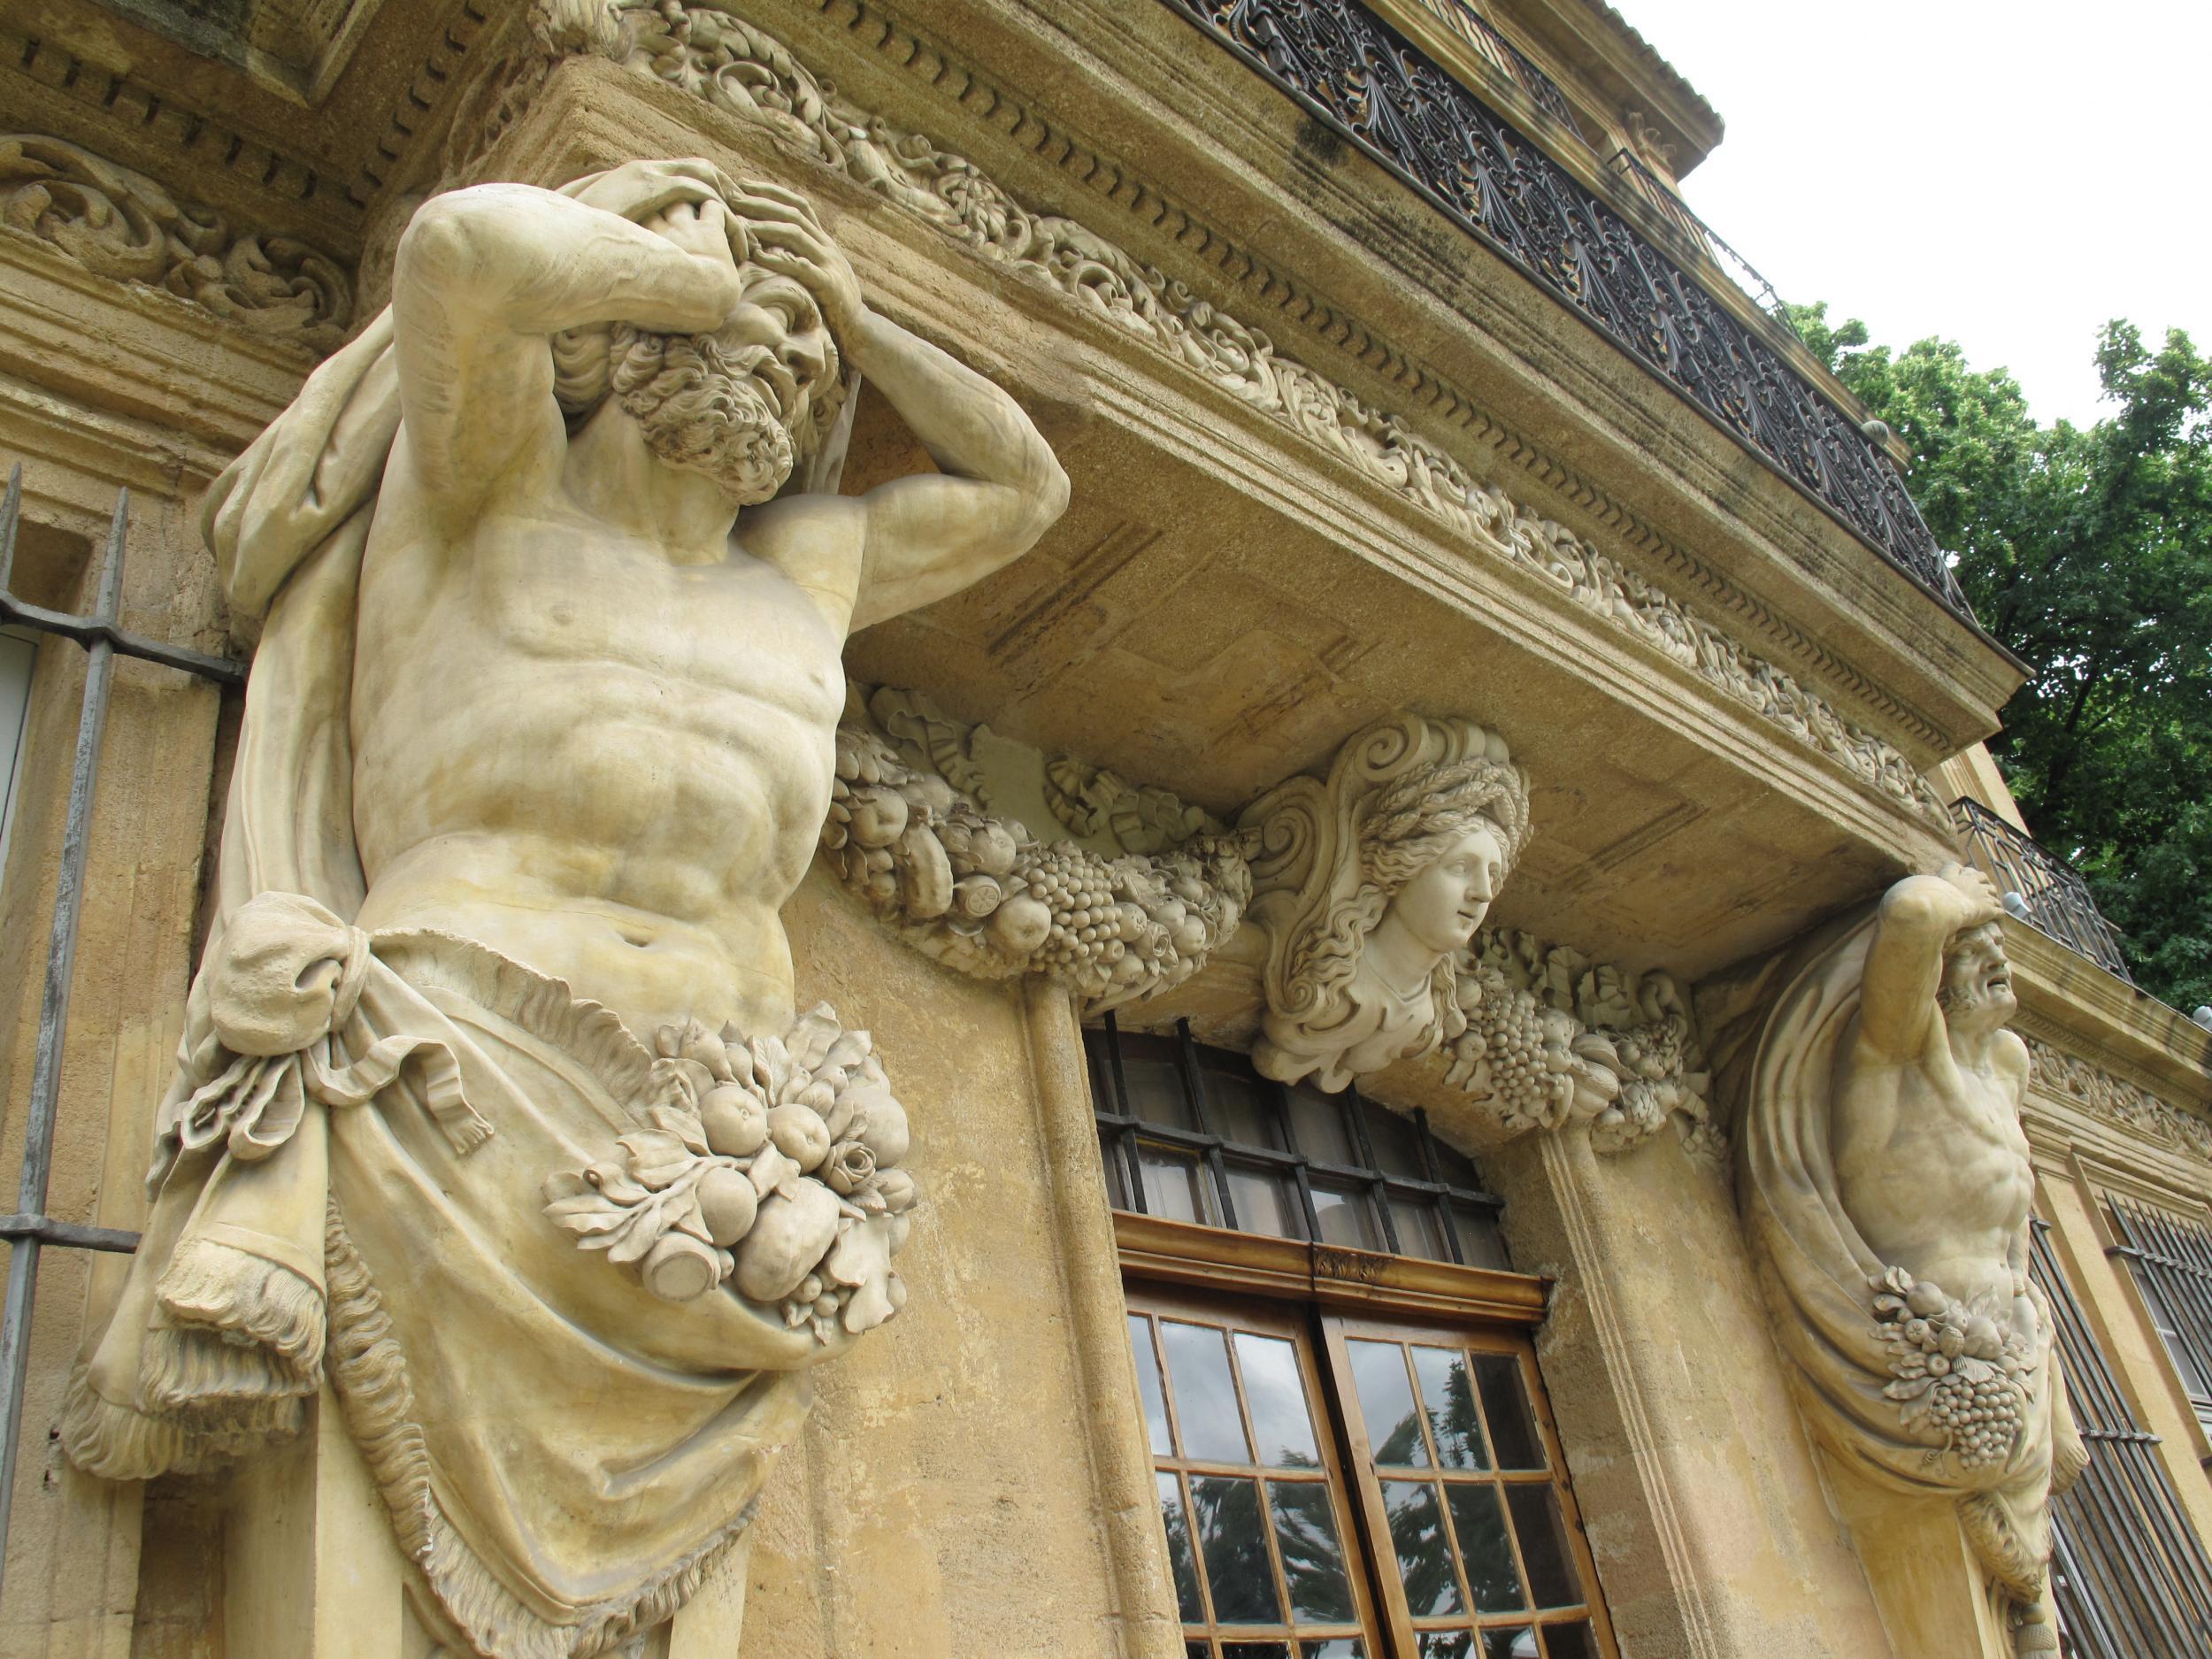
{"x":539,"y":737}
{"x":1886,"y":1184}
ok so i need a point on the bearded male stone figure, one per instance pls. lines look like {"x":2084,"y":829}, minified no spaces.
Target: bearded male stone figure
{"x":539,"y":738}
{"x":1886,"y":1185}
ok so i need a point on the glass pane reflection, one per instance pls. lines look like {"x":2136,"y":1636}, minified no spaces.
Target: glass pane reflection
{"x":1479,"y":1522}
{"x":1205,"y":1398}
{"x":1265,"y":1203}
{"x":1235,"y":1550}
{"x":1395,"y":1143}
{"x":1305,"y":1532}
{"x":1149,"y":1385}
{"x":1446,"y":1644}
{"x":1345,"y":1217}
{"x":1181,"y":1560}
{"x":1386,"y":1399}
{"x":1318,"y":1120}
{"x":1450,"y":1398}
{"x":1569,"y":1641}
{"x":1156,"y":1090}
{"x":1505,"y":1404}
{"x":1342,"y":1648}
{"x":1276,"y":1395}
{"x":1536,"y":1522}
{"x":1255,"y":1650}
{"x":1508,"y":1644}
{"x":1176,"y":1186}
{"x":1420,"y":1229}
{"x":1425,"y":1557}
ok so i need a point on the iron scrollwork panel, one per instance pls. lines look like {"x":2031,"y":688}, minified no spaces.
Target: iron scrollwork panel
{"x":1424,"y":122}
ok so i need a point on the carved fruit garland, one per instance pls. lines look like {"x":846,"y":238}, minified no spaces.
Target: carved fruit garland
{"x":978,"y":893}
{"x":1960,"y":1374}
{"x":772,"y":1162}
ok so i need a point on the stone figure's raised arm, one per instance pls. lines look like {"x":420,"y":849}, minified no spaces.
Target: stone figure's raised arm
{"x":998,"y":486}
{"x":484,"y":275}
{"x":1918,"y":918}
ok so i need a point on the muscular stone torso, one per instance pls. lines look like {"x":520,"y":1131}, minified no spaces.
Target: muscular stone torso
{"x":607,"y":766}
{"x":1945,"y":1192}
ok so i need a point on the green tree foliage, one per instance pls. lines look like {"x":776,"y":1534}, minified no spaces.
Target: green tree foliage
{"x":2088,"y":550}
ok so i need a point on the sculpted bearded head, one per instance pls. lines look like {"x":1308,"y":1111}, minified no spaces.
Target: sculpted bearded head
{"x":746,"y":404}
{"x":1976,"y":992}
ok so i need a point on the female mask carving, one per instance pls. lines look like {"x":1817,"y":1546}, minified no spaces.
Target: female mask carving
{"x":1369,"y":886}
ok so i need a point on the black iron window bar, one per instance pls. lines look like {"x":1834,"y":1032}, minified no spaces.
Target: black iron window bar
{"x":1360,"y":76}
{"x":2171,"y":1261}
{"x":2131,"y":1576}
{"x":2037,"y":887}
{"x":1464,"y":1215}
{"x":29,"y":1229}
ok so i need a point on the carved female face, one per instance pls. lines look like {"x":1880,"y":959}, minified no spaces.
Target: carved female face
{"x":1442,"y":907}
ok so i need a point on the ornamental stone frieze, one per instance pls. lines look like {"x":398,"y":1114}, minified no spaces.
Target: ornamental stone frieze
{"x":744,"y":71}
{"x":1886,"y":1185}
{"x":1365,"y":892}
{"x":2118,"y":1100}
{"x":494,"y":1050}
{"x":121,"y":224}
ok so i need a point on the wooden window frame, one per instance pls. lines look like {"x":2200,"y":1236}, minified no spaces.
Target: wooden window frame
{"x":1343,"y":1292}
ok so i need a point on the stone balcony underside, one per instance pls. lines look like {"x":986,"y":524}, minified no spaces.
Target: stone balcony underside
{"x":1240,"y":586}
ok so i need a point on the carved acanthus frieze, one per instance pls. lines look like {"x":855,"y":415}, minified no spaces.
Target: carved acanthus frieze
{"x":737,"y":67}
{"x":2119,"y":1100}
{"x":981,"y":893}
{"x":120,"y":224}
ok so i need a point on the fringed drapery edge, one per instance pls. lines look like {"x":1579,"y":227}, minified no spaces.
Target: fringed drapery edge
{"x":241,"y":1327}
{"x":120,"y":1442}
{"x":369,"y":1373}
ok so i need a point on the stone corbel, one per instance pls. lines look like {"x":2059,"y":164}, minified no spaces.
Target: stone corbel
{"x":931,"y":825}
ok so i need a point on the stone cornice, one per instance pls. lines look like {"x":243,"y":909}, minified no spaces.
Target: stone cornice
{"x":1189,"y":247}
{"x":740,"y":69}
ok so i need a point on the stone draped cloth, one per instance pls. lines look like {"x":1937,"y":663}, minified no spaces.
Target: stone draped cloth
{"x":1820,"y":1275}
{"x":346,"y":1179}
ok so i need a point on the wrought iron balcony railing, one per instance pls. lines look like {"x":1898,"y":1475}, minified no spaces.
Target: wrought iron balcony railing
{"x":2040,"y":889}
{"x":1353,"y":70}
{"x":1479,"y":33}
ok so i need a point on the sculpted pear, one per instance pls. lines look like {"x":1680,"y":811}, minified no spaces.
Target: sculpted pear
{"x":728,"y":1205}
{"x":788,"y":1239}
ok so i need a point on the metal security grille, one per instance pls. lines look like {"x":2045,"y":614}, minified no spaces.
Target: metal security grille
{"x":30,"y":1228}
{"x":2172,"y":1261}
{"x":2132,"y":1578}
{"x":1195,"y":1133}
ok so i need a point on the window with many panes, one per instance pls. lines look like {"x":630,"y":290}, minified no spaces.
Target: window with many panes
{"x":1354,"y":1455}
{"x":2170,"y":1257}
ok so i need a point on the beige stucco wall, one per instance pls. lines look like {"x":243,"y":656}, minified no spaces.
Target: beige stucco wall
{"x":943,"y":1501}
{"x":1711,"y":1529}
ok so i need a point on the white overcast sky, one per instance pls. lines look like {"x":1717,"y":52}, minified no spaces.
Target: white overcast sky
{"x":2009,"y":176}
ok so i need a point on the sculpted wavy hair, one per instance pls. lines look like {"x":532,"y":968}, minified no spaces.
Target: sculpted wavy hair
{"x":1412,"y":824}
